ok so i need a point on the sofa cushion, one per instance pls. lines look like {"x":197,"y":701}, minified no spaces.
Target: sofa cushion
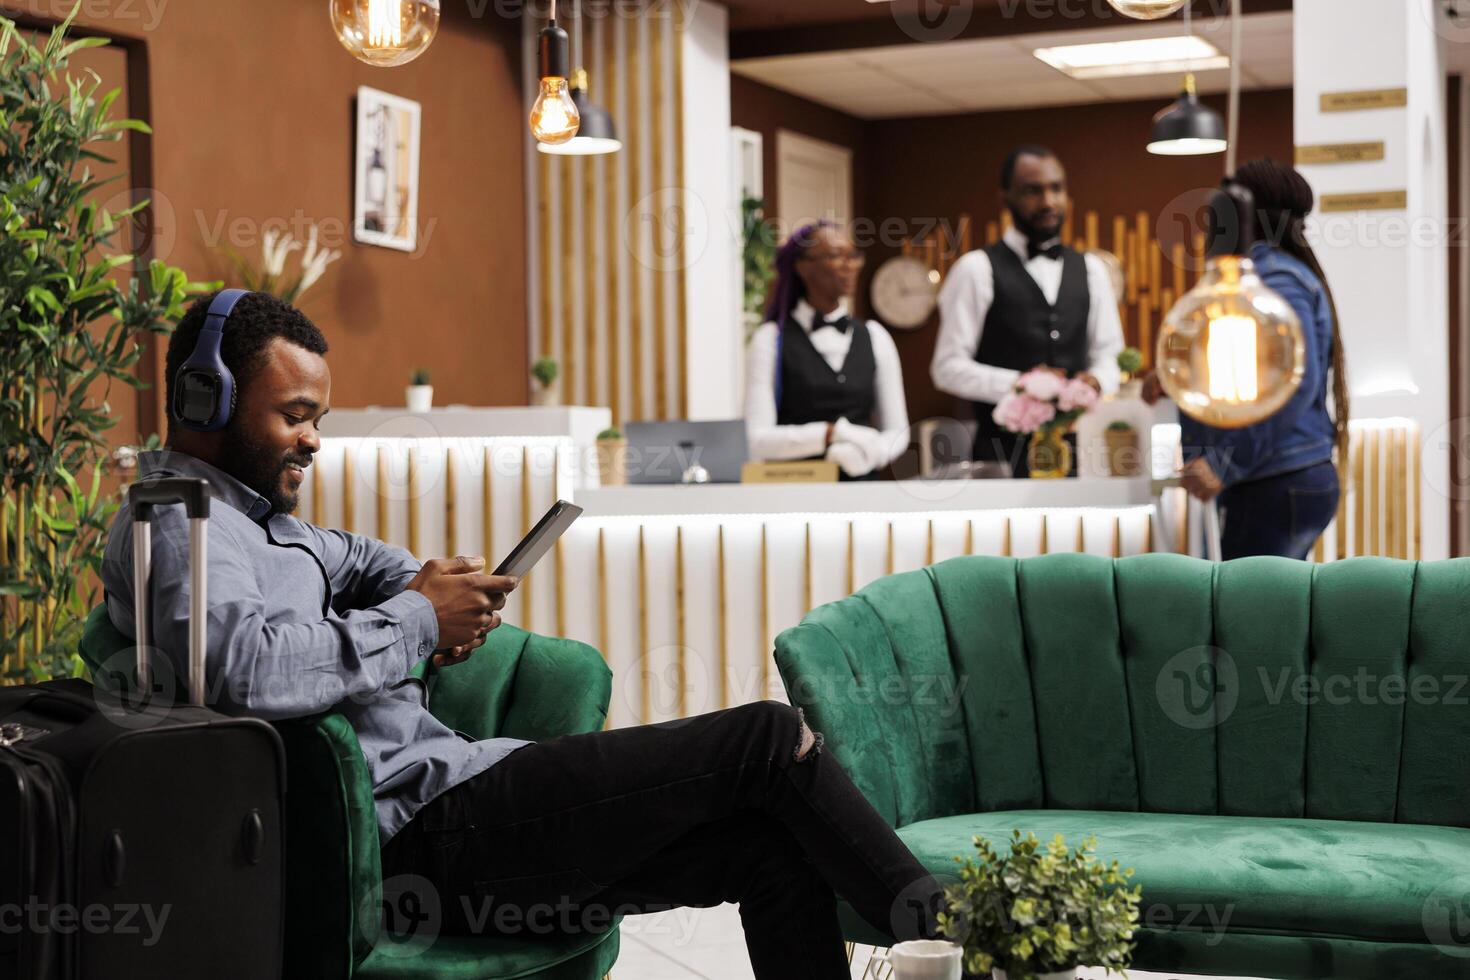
{"x":588,"y":956}
{"x":1327,"y":878}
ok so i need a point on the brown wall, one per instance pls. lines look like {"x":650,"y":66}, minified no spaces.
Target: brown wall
{"x":1108,"y":170}
{"x":252,"y":111}
{"x":765,"y":110}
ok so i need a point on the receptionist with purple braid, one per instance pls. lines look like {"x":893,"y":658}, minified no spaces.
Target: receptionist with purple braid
{"x":820,"y":384}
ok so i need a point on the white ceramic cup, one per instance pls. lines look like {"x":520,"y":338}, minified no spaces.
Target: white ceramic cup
{"x":923,"y":959}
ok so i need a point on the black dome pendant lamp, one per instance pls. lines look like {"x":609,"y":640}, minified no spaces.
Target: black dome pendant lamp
{"x":1188,"y":127}
{"x":596,"y":134}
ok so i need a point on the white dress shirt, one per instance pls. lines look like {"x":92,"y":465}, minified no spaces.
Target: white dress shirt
{"x":770,"y":441}
{"x":965,"y":300}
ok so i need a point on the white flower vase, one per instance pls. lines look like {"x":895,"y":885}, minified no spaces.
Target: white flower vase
{"x":420,"y":398}
{"x":544,"y":396}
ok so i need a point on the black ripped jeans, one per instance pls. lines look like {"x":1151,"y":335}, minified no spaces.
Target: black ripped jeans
{"x":561,"y":835}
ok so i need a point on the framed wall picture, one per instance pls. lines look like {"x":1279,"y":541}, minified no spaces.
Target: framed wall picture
{"x":386,"y":172}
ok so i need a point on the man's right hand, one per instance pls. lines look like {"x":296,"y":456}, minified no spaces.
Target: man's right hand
{"x":466,"y":601}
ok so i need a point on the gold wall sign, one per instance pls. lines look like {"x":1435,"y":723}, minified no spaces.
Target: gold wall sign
{"x":1365,"y":201}
{"x":1340,"y":153}
{"x":1379,"y":98}
{"x":801,"y":471}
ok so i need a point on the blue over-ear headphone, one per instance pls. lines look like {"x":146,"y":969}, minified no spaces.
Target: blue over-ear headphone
{"x":204,"y":389}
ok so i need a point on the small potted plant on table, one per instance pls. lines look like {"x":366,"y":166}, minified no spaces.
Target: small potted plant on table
{"x":1124,"y":458}
{"x":545,"y":391}
{"x":612,"y":457}
{"x":1039,"y":913}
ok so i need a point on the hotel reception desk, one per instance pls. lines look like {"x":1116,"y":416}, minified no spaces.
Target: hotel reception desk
{"x":684,"y":588}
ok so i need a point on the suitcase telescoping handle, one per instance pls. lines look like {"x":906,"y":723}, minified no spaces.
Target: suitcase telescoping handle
{"x":193,"y":493}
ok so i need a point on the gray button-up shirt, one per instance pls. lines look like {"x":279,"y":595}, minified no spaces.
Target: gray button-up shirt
{"x":302,"y":619}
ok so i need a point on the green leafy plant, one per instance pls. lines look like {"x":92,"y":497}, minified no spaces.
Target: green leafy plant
{"x":1119,"y":426}
{"x":73,"y":315}
{"x":1041,"y":909}
{"x":420,"y":376}
{"x":1130,"y":360}
{"x":758,"y":256}
{"x":545,"y":371}
{"x":607,"y":434}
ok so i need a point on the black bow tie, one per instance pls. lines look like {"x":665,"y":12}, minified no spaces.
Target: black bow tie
{"x":1052,"y":251}
{"x":841,"y":324}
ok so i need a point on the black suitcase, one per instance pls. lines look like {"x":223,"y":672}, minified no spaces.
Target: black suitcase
{"x":140,"y":837}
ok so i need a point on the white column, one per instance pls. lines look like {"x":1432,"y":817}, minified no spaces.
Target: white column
{"x":1387,"y":269}
{"x":714,"y":344}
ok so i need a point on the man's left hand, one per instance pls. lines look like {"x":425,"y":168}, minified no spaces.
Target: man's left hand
{"x":458,"y":655}
{"x":1200,"y":479}
{"x":1090,"y":380}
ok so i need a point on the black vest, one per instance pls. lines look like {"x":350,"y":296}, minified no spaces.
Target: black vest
{"x":812,"y":392}
{"x":1023,"y":330}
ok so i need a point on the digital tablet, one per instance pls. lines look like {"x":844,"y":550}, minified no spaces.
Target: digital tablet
{"x":539,"y":539}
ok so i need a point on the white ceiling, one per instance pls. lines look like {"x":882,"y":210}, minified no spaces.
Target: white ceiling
{"x":1001,"y":73}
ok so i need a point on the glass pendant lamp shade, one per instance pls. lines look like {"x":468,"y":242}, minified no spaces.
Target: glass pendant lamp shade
{"x":554,"y":115}
{"x":596,"y":133}
{"x":1147,"y":9}
{"x":385,"y":33}
{"x":1188,"y":127}
{"x":1231,"y":352}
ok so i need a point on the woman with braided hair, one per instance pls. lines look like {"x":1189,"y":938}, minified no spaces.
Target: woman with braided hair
{"x":821,"y":383}
{"x":1276,"y":483}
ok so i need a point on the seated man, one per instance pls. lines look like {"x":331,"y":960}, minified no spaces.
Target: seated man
{"x":737,"y":805}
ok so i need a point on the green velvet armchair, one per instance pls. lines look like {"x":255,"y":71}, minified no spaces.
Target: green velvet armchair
{"x":517,"y":684}
{"x":1280,"y":750}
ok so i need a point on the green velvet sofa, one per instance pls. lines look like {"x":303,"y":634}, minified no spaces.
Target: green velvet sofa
{"x":517,"y":684}
{"x":1280,"y":750}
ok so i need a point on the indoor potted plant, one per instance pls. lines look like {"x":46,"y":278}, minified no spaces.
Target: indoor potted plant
{"x":1043,"y":404}
{"x":612,"y":457}
{"x":1039,"y":913}
{"x":1123,"y":455}
{"x":1130,"y":363}
{"x":419,"y":393}
{"x":545,"y":390}
{"x":76,"y":313}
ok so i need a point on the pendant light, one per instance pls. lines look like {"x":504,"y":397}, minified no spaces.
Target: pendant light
{"x":596,"y":134}
{"x":1146,"y":9}
{"x":385,"y":33}
{"x":1231,"y":352}
{"x":1188,"y":127}
{"x":554,"y":116}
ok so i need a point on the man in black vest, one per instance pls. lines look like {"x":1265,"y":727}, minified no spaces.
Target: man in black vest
{"x":1027,"y":301}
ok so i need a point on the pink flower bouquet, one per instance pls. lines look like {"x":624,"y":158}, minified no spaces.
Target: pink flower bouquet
{"x":1042,"y":400}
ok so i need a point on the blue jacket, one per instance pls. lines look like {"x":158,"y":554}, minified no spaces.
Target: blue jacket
{"x":1302,"y":433}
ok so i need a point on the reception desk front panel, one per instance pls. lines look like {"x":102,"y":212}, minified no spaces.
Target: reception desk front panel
{"x":685,"y":588}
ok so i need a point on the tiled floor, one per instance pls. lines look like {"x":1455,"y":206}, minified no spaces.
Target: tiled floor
{"x":708,"y":944}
